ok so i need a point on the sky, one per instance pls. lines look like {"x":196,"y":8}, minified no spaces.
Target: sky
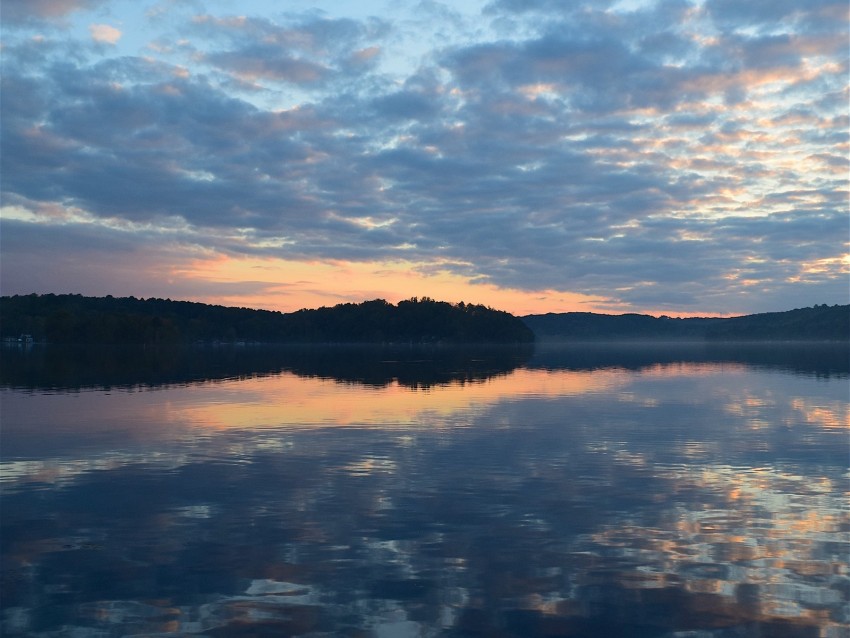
{"x":680,"y":157}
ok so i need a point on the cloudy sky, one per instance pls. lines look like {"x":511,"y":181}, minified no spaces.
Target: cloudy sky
{"x":680,"y":156}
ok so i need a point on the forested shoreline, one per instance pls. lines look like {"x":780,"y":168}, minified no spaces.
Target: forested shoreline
{"x":818,"y":323}
{"x":128,"y":320}
{"x":78,"y":319}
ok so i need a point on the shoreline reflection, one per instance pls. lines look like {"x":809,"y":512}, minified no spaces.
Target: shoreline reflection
{"x":104,"y":367}
{"x":62,"y":368}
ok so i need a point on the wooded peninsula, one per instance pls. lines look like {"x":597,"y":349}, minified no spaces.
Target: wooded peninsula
{"x":127,"y":320}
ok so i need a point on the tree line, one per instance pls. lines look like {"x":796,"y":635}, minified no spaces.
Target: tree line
{"x":818,"y":323}
{"x":128,"y":320}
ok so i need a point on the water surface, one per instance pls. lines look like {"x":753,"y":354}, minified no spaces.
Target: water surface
{"x":581,"y":491}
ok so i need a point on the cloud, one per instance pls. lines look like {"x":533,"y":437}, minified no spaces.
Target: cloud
{"x":104,"y":33}
{"x":815,"y":16}
{"x":308,"y":51}
{"x":671,"y":156}
{"x":268,"y":63}
{"x":32,"y":263}
{"x":28,"y":12}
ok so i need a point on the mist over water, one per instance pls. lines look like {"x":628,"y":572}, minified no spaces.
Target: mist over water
{"x":578,"y":491}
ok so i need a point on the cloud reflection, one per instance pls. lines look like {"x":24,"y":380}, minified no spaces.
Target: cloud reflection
{"x":537,"y":502}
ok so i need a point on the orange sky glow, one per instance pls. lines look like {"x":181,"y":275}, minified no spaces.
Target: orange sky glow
{"x":290,"y":285}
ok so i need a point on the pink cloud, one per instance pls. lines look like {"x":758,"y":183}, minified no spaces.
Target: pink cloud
{"x":104,"y":33}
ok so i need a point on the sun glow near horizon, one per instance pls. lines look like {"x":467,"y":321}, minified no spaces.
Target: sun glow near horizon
{"x":290,"y":285}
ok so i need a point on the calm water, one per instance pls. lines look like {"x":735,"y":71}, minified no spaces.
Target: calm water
{"x":582,"y":491}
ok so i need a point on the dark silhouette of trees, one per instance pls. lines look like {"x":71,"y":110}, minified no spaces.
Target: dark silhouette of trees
{"x":127,"y":320}
{"x":819,"y":323}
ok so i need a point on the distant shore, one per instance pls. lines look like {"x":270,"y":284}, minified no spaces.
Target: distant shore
{"x":819,"y":323}
{"x":418,"y":321}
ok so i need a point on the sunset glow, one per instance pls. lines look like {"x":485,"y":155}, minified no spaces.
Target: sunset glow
{"x":316,"y":284}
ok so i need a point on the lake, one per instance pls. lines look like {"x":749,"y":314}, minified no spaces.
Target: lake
{"x":687,"y":491}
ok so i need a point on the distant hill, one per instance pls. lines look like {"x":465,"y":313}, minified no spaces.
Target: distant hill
{"x":820,"y":323}
{"x":127,"y":320}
